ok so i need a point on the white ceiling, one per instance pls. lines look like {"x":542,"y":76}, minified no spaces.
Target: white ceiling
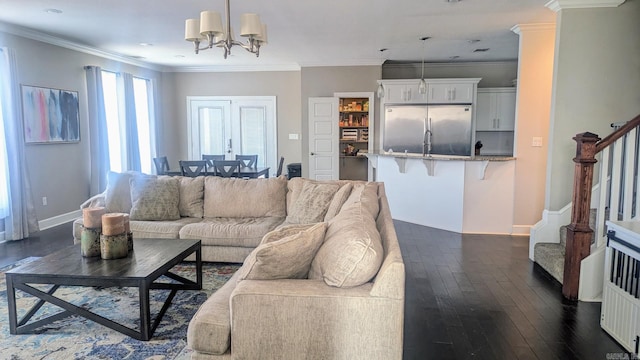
{"x":301,"y":32}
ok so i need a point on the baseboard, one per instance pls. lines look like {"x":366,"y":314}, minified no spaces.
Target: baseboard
{"x":521,"y":230}
{"x":59,"y":220}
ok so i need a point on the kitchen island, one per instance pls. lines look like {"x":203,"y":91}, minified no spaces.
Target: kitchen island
{"x":455,"y":193}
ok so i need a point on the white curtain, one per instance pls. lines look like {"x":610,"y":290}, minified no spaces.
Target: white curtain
{"x":131,"y":123}
{"x":98,"y":135}
{"x":19,"y":217}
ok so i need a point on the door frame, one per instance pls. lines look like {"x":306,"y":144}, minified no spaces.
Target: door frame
{"x":271,"y":117}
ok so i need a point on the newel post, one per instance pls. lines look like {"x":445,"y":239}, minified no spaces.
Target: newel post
{"x":578,"y":232}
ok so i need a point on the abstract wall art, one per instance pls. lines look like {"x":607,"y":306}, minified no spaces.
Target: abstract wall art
{"x":50,"y":115}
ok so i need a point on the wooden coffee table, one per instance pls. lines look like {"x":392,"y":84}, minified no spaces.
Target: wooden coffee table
{"x":150,"y":259}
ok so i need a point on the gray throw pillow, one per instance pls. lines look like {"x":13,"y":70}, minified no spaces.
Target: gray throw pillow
{"x":284,"y":254}
{"x":155,"y":198}
{"x":312,"y":203}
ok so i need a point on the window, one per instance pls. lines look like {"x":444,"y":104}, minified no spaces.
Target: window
{"x":119,"y":139}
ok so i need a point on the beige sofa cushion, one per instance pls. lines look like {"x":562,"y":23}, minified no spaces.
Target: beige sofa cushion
{"x":154,"y":198}
{"x":237,"y":198}
{"x":352,"y":251}
{"x":159,"y":229}
{"x":242,"y":232}
{"x":312,"y":203}
{"x":367,"y":194}
{"x":284,"y":254}
{"x":191,"y":196}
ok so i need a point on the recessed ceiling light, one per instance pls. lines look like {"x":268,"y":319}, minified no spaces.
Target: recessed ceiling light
{"x":53,"y":11}
{"x":145,"y":44}
{"x":481,"y":50}
{"x":179,"y":56}
{"x":473,"y":41}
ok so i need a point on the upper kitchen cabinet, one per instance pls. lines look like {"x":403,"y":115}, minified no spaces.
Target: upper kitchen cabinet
{"x":439,"y":91}
{"x":451,"y":92}
{"x":496,"y":109}
{"x":403,"y":92}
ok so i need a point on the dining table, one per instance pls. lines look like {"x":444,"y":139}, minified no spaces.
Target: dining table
{"x":246,"y":172}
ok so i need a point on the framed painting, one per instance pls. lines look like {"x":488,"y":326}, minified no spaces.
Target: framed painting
{"x":50,"y":115}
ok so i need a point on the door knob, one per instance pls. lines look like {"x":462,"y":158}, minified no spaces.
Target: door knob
{"x":313,"y":153}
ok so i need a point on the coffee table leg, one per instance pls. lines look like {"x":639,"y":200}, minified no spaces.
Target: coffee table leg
{"x":145,"y":313}
{"x":11,"y":301}
{"x":199,"y":267}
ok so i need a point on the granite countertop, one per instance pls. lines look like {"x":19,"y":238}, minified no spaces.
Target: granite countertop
{"x":443,"y":157}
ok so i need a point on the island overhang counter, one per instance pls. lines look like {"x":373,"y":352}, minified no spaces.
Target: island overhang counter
{"x":454,"y":193}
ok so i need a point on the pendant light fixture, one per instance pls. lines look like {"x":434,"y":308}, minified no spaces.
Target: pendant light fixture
{"x":380,"y":91}
{"x":422,"y":88}
{"x":209,"y":29}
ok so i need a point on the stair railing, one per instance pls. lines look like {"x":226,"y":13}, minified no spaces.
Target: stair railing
{"x":618,"y":186}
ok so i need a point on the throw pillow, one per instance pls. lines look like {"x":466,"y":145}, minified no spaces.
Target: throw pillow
{"x":191,"y":196}
{"x":338,"y":200}
{"x":118,"y":194}
{"x":155,"y":198}
{"x":283,"y":254}
{"x":352,"y":252}
{"x":312,"y":203}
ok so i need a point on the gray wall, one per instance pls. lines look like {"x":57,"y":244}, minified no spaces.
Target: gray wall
{"x":493,"y":74}
{"x":60,"y":171}
{"x":596,"y":82}
{"x":284,"y":85}
{"x":325,"y":81}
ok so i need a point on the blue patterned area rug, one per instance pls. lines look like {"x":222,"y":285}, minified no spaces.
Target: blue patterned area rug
{"x":78,"y":338}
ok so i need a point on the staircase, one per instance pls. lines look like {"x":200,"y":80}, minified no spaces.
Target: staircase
{"x":576,"y":257}
{"x":550,"y":256}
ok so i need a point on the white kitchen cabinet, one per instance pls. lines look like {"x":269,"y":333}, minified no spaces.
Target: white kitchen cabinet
{"x":496,"y":109}
{"x":439,"y":91}
{"x":403,"y":93}
{"x":451,"y":93}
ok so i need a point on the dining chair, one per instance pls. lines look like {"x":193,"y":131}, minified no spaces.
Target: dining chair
{"x":210,"y":159}
{"x":280,"y":165}
{"x":249,"y":161}
{"x":162,"y":165}
{"x":193,"y":168}
{"x":227,"y":168}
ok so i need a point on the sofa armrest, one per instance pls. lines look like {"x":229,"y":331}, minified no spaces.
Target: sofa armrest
{"x":281,"y":319}
{"x":95,"y":201}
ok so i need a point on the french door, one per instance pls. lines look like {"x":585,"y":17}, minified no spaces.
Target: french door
{"x":233,"y":126}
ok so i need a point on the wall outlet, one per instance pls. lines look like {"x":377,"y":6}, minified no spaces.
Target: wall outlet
{"x":44,"y":201}
{"x":536,"y":141}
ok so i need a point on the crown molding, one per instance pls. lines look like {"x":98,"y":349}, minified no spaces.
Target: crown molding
{"x":376,"y":62}
{"x":520,"y":28}
{"x":233,"y":68}
{"x":67,"y":44}
{"x":557,"y":5}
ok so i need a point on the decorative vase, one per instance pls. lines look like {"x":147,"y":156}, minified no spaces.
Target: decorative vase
{"x":90,"y":242}
{"x":114,"y":246}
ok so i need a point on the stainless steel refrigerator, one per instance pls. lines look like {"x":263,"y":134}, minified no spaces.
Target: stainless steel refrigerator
{"x":428,"y":129}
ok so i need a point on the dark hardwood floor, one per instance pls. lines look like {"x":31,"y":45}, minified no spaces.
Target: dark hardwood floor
{"x":467,"y":297}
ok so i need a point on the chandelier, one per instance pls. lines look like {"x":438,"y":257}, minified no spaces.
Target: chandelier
{"x":209,"y":28}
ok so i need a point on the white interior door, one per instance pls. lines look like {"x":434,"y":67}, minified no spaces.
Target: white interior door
{"x":233,"y":125}
{"x":323,"y":138}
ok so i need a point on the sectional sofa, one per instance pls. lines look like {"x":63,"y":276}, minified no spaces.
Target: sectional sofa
{"x":322,"y":274}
